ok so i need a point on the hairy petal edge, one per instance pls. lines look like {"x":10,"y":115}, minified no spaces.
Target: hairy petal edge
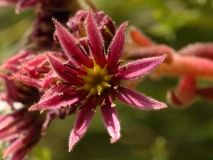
{"x":137,"y":100}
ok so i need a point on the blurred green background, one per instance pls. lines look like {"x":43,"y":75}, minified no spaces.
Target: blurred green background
{"x":169,"y":134}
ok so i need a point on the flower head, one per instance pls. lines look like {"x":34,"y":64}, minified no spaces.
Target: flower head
{"x":105,"y":25}
{"x":92,"y":76}
{"x":21,"y":129}
{"x":16,"y":91}
{"x":22,"y":4}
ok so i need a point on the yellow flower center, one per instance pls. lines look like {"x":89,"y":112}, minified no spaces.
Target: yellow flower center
{"x":96,"y":80}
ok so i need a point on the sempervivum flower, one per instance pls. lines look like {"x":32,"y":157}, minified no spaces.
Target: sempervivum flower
{"x":104,"y":22}
{"x":20,"y":4}
{"x":15,"y":91}
{"x":92,"y":77}
{"x":21,"y":130}
{"x":37,"y":71}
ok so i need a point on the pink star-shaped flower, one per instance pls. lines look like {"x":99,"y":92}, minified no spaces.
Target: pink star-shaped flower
{"x":91,"y":76}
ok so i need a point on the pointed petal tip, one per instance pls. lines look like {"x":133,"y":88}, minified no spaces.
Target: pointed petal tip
{"x":115,"y":138}
{"x":57,"y":24}
{"x":49,"y":57}
{"x":124,"y":25}
{"x":82,"y":121}
{"x":116,"y":48}
{"x":139,"y":68}
{"x":159,"y":59}
{"x":89,"y":14}
{"x":160,"y":105}
{"x":33,"y":108}
{"x":110,"y":119}
{"x":89,"y":17}
{"x":138,"y":100}
{"x":163,"y":57}
{"x":156,"y":105}
{"x":74,"y":138}
{"x":54,"y":20}
{"x":95,"y":39}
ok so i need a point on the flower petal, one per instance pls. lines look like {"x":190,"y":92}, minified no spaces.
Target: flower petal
{"x":11,"y":131}
{"x":60,"y":96}
{"x":137,"y":100}
{"x":13,"y":63}
{"x":23,"y":142}
{"x":7,"y":120}
{"x":70,"y":46}
{"x":49,"y":78}
{"x":20,"y":154}
{"x":184,"y":94}
{"x":139,"y":68}
{"x":116,"y":48}
{"x":111,"y":121}
{"x":83,"y":121}
{"x":27,"y":80}
{"x":59,"y":68}
{"x":95,"y":40}
{"x":204,"y":50}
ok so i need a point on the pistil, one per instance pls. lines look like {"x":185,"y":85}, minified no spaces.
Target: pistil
{"x":96,"y":80}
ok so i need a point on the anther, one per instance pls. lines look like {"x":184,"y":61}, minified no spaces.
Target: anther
{"x":120,"y":62}
{"x":78,"y":44}
{"x":70,"y":66}
{"x":126,"y":67}
{"x":103,"y":103}
{"x":113,"y":105}
{"x":108,"y":50}
{"x":93,"y":110}
{"x":115,"y":87}
{"x":61,"y":94}
{"x":117,"y":91}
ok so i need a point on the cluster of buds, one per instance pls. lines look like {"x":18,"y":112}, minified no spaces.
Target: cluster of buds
{"x":191,"y":63}
{"x":16,"y":91}
{"x":20,"y":130}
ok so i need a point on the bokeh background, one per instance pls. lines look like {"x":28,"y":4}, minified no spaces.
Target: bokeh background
{"x":169,"y":134}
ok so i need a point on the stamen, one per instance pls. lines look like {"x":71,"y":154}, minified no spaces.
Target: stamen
{"x":99,"y":89}
{"x":93,"y":110}
{"x":113,"y":105}
{"x":115,"y":87}
{"x":105,"y":84}
{"x":61,"y":94}
{"x":107,"y":77}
